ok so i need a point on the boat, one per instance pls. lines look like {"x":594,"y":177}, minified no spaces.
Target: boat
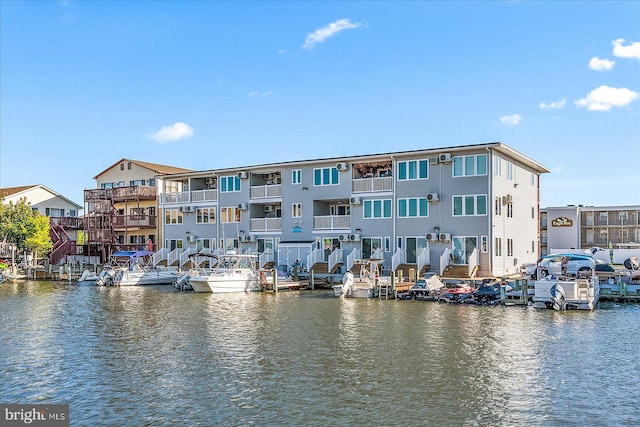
{"x":232,"y":273}
{"x":491,"y":292}
{"x":425,"y":287}
{"x":366,"y":285}
{"x":132,"y":268}
{"x":461,"y":292}
{"x":88,"y":278}
{"x":566,"y":281}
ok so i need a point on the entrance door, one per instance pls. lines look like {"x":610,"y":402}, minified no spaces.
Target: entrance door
{"x":414,"y":246}
{"x":369,"y":246}
{"x":265,"y":245}
{"x":462,"y":248}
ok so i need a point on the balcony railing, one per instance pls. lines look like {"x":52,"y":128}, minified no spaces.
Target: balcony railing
{"x":368,"y":185}
{"x":134,"y":221}
{"x":209,"y":195}
{"x":204,"y":195}
{"x":266,"y":224}
{"x":134,"y":192}
{"x":266,"y":191}
{"x":331,"y":222}
{"x":169,"y":198}
{"x":69,"y":222}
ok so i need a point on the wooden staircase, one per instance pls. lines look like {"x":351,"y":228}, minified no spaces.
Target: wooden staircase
{"x":456,"y":272}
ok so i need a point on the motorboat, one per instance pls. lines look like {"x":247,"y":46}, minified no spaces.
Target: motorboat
{"x":561,"y":287}
{"x":88,"y":277}
{"x":366,"y":284}
{"x":232,"y":273}
{"x":132,"y":268}
{"x":491,"y":292}
{"x":425,"y":287}
{"x":461,"y":292}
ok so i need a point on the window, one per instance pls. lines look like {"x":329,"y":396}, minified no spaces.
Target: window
{"x":498,"y":246}
{"x":136,"y":182}
{"x":533,"y":179}
{"x":387,"y":244}
{"x":172,"y":216}
{"x":121,"y":166}
{"x":152,"y":182}
{"x":470,"y":205}
{"x":417,"y":207}
{"x":498,"y":205}
{"x":229,"y":184}
{"x":484,"y":244}
{"x":470,"y":165}
{"x":509,"y":247}
{"x":129,"y":165}
{"x":377,"y":208}
{"x":509,"y":210}
{"x":296,"y":210}
{"x":205,"y":215}
{"x":296,"y":176}
{"x":413,"y":169}
{"x":510,"y":171}
{"x":340,"y":210}
{"x":325,"y":176}
{"x":230,"y":214}
{"x":497,"y":166}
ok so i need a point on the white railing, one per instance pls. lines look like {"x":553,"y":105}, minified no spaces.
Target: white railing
{"x":398,"y":258}
{"x":265,"y":258}
{"x":331,"y":222}
{"x":159,"y":256}
{"x":367,"y":185}
{"x":473,"y":260}
{"x":266,"y":224}
{"x":352,"y":257}
{"x":335,"y":258}
{"x":315,"y":256}
{"x":204,"y":195}
{"x":184,"y":256}
{"x":377,"y":254}
{"x":170,"y":198}
{"x":174,"y":256}
{"x":423,"y":259}
{"x":444,"y":260}
{"x":266,"y":191}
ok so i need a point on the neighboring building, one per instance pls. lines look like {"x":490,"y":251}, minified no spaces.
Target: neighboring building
{"x":63,"y":213}
{"x":583,"y":227}
{"x":475,"y":206}
{"x":122,"y":212}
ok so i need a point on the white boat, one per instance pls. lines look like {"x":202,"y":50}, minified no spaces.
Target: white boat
{"x":566,"y":281}
{"x":366,"y":285}
{"x":132,"y":268}
{"x":232,"y":273}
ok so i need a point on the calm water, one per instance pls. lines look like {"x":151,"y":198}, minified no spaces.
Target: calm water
{"x":146,"y":356}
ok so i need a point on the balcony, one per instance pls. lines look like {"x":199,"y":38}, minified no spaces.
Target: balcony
{"x":210,"y":195}
{"x":267,"y":191}
{"x":134,"y":221}
{"x":172,"y":198}
{"x":266,"y":224}
{"x":69,"y":222}
{"x":372,"y":185}
{"x":332,"y":222}
{"x":137,"y":192}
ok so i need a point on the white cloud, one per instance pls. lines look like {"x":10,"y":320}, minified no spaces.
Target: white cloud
{"x":512,"y":120}
{"x":258,"y":93}
{"x":629,"y":51}
{"x":601,"y":64}
{"x":175,"y":132}
{"x":553,"y":105}
{"x":604,"y":98}
{"x":282,"y":52}
{"x":321,"y":34}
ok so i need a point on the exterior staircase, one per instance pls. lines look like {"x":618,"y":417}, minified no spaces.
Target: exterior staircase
{"x":62,"y":244}
{"x":456,"y":272}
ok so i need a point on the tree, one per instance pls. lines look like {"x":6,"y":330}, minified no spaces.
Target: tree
{"x":38,"y":239}
{"x":18,"y":223}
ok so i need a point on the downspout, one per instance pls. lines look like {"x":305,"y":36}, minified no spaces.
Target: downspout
{"x":393,"y":208}
{"x":490,"y":210}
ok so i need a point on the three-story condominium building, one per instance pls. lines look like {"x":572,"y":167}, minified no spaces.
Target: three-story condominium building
{"x":475,"y":206}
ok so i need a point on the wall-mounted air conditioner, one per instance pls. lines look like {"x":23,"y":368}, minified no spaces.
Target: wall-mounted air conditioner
{"x":433,"y":197}
{"x":355,"y":201}
{"x":249,"y":238}
{"x":268,"y":208}
{"x":243,"y":175}
{"x":445,"y":237}
{"x":342,"y":166}
{"x":210,"y":181}
{"x":191,"y":238}
{"x":243,"y":206}
{"x":432,"y":237}
{"x":354,"y":237}
{"x":444,"y":157}
{"x":343,"y":237}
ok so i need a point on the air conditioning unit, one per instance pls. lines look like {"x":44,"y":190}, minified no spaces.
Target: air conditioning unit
{"x":433,"y":237}
{"x":268,"y":208}
{"x":433,"y":160}
{"x":355,"y":201}
{"x":343,"y":237}
{"x":243,"y":206}
{"x":249,"y":238}
{"x":445,"y":237}
{"x":210,"y":181}
{"x":354,"y":237}
{"x":444,"y":157}
{"x":191,"y":238}
{"x":342,"y":166}
{"x":509,"y":198}
{"x":182,"y":208}
{"x":243,"y":175}
{"x":433,"y":197}
{"x":186,"y":209}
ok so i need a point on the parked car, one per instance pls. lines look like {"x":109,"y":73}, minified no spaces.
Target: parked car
{"x":563,"y":265}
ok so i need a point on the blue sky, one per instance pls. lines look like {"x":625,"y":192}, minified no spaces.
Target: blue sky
{"x":214,"y":84}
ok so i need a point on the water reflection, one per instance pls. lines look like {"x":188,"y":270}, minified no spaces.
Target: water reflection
{"x":152,"y":356}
